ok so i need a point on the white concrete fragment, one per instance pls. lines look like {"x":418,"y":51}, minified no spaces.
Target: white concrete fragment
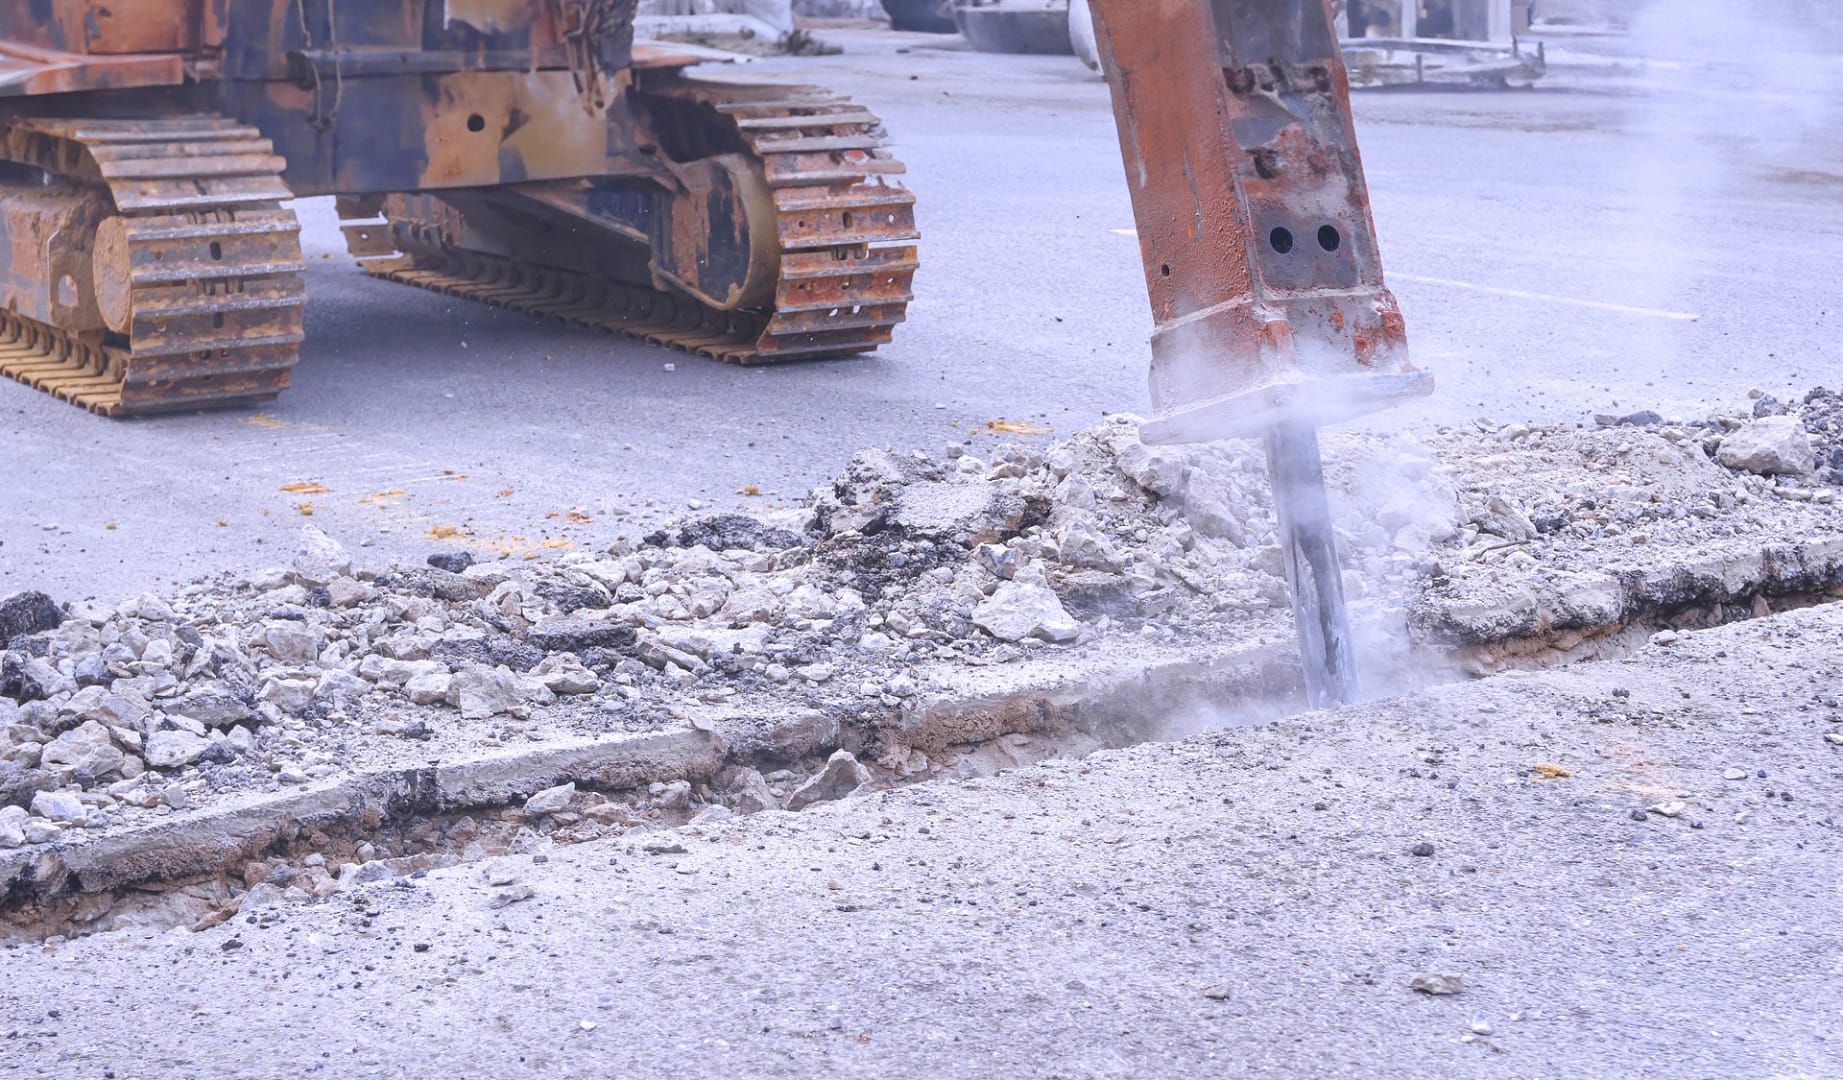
{"x":480,"y":691}
{"x":841,"y":776}
{"x":71,"y":747}
{"x":318,"y":558}
{"x":59,"y":806}
{"x":1016,"y":611}
{"x":550,"y":800}
{"x":429,"y":688}
{"x":172,"y":749}
{"x":1771,"y":445}
{"x":13,"y":826}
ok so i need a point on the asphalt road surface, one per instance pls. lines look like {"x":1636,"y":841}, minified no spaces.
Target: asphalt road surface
{"x":1611,"y":241}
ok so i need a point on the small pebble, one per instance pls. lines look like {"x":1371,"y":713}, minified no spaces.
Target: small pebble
{"x":1438,"y":985}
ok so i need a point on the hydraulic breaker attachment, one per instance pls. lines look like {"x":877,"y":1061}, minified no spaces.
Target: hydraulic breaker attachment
{"x":1260,"y":258}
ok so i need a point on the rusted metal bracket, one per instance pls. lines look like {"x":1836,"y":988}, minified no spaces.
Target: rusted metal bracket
{"x":1254,"y":223}
{"x":598,"y":36}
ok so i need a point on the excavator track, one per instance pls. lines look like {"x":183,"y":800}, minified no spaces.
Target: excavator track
{"x":195,"y":266}
{"x":842,"y":219}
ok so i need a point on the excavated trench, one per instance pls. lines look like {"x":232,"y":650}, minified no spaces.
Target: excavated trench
{"x":254,"y":858}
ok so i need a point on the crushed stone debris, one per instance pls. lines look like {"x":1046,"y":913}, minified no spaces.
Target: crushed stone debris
{"x":904,"y":571}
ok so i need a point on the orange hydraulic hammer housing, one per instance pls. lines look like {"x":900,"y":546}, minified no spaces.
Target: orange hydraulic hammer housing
{"x":1254,"y":222}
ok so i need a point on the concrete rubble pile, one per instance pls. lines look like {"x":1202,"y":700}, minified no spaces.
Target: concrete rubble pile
{"x":904,"y":572}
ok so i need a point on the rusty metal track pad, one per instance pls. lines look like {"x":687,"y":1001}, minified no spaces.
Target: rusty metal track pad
{"x":843,"y":222}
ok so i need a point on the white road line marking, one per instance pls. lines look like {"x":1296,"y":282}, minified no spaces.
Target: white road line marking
{"x":368,"y":475}
{"x":425,"y":479}
{"x":1599,"y":305}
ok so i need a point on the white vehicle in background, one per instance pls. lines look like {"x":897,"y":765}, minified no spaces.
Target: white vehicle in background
{"x":1389,"y":42}
{"x":1014,"y":26}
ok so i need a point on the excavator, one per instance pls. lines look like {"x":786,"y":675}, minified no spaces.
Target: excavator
{"x":531,"y":154}
{"x":526,"y":153}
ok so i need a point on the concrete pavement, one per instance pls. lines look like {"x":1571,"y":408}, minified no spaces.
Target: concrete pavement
{"x":1254,"y":901}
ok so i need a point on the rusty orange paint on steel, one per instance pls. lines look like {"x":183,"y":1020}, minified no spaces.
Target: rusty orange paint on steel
{"x":1176,"y":147}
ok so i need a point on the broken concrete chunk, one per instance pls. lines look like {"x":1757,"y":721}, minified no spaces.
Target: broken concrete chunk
{"x":1081,"y":545}
{"x":981,"y":514}
{"x":675,"y":795}
{"x":480,"y":691}
{"x":19,"y":781}
{"x":1160,"y":470}
{"x":28,"y":678}
{"x":289,"y":695}
{"x":213,"y":706}
{"x":318,"y":558}
{"x":550,"y":800}
{"x":1497,"y":516}
{"x":292,"y":642}
{"x":70,"y":748}
{"x":1211,"y":516}
{"x":13,"y":826}
{"x":452,"y":561}
{"x":429,"y":688}
{"x":841,"y":776}
{"x":340,"y":688}
{"x":346,"y":592}
{"x":579,"y":635}
{"x":513,"y":895}
{"x":27,"y":613}
{"x":749,"y":793}
{"x":1769,"y":446}
{"x":394,"y":672}
{"x":1439,"y":985}
{"x":149,"y":607}
{"x":59,"y":806}
{"x":818,"y":673}
{"x":1016,"y":611}
{"x":564,"y":674}
{"x":173,"y":749}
